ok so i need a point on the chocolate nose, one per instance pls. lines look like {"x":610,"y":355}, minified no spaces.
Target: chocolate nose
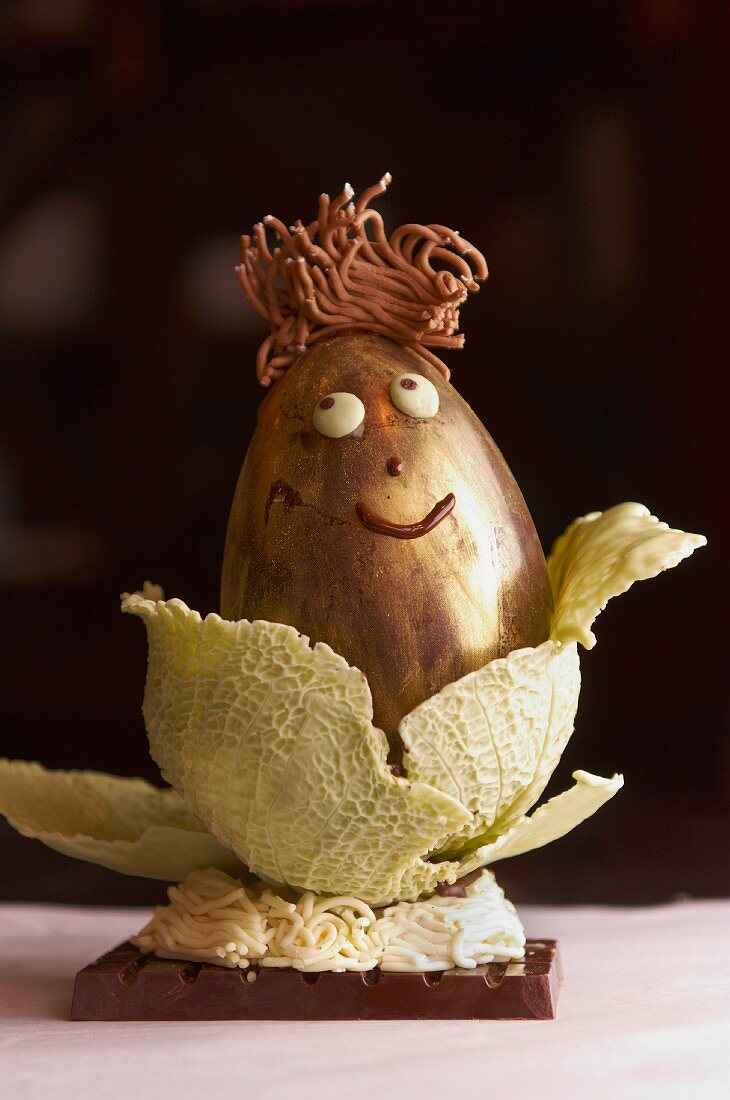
{"x":394,"y":466}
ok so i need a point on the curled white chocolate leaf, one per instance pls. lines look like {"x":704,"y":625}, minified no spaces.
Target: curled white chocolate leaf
{"x":600,"y":556}
{"x":270,"y":742}
{"x":124,"y":824}
{"x":549,"y":822}
{"x":414,"y":395}
{"x":338,"y":415}
{"x":493,"y":738}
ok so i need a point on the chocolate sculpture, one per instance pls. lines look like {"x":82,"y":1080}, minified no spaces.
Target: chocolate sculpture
{"x":394,"y":674}
{"x":416,"y":617}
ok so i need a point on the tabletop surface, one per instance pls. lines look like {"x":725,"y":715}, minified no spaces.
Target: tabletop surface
{"x":644,"y":1011}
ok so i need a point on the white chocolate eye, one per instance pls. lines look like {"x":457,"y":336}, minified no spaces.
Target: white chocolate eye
{"x":414,"y":395}
{"x":338,"y":414}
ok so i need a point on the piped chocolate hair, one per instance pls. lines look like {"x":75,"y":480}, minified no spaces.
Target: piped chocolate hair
{"x":342,"y":273}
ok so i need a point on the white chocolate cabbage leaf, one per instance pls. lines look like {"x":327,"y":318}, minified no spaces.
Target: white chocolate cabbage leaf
{"x":270,"y":746}
{"x":600,"y":556}
{"x":493,"y":738}
{"x":271,"y":743}
{"x":124,"y":824}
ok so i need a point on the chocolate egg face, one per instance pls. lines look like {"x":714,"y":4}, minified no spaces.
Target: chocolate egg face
{"x":404,"y":543}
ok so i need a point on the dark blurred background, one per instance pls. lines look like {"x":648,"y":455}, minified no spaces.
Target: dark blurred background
{"x":582,"y":146}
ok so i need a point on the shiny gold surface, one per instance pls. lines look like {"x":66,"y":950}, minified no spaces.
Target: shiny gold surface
{"x":413,"y":615}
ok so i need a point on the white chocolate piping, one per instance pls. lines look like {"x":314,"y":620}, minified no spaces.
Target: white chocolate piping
{"x":213,"y":918}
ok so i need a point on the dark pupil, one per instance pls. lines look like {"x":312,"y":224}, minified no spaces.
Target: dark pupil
{"x":408,"y":384}
{"x":327,"y":403}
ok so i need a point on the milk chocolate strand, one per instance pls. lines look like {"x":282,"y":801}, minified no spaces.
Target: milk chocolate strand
{"x":382,"y":526}
{"x":341,"y":271}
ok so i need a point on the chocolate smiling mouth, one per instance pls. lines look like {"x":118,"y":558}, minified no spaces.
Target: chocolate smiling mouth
{"x":375,"y":522}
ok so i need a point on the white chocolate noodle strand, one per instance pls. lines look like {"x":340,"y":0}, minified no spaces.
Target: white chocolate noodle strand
{"x":212,"y":918}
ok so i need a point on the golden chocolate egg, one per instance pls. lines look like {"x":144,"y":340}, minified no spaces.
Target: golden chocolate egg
{"x":404,"y":544}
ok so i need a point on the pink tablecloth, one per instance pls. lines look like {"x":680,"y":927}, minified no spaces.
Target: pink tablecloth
{"x":644,"y":1012}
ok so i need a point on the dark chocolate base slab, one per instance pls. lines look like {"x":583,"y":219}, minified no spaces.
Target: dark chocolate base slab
{"x":126,"y":985}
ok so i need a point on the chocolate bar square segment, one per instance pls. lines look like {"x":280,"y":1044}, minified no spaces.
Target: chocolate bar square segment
{"x":127,"y":985}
